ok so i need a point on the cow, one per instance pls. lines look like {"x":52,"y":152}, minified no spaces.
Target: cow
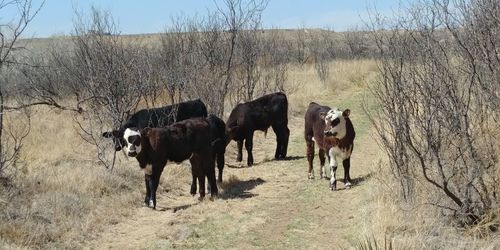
{"x":187,"y":139}
{"x":333,"y":132}
{"x":157,"y":118}
{"x":267,"y":111}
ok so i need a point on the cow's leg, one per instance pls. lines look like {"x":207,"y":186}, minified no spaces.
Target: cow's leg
{"x":248,"y":147}
{"x":220,"y":163}
{"x":193,"y":182}
{"x":198,"y":169}
{"x":210,"y":172}
{"x":197,"y":174}
{"x":147,"y":180}
{"x":153,"y":185}
{"x":333,"y":169}
{"x":322,"y":159}
{"x":282,"y":134}
{"x":310,"y":156}
{"x":240,"y":150}
{"x":347,"y":178}
{"x":284,"y":141}
{"x":201,"y":183}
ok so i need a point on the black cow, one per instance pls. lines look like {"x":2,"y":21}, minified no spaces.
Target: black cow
{"x":260,"y":114}
{"x":187,"y":139}
{"x":334,"y":134}
{"x":157,"y":118}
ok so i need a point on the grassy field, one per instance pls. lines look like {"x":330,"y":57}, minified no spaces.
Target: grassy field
{"x":62,"y":198}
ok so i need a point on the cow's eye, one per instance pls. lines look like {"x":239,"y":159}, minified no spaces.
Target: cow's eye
{"x":335,"y":122}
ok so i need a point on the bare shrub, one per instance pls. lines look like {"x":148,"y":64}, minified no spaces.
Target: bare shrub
{"x":12,"y":135}
{"x":357,"y":40}
{"x":202,"y":56}
{"x":104,"y":78}
{"x":438,"y":94}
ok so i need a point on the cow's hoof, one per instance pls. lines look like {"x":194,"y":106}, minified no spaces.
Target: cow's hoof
{"x":311,"y":177}
{"x":333,"y":187}
{"x":151,"y":204}
{"x":347,"y":185}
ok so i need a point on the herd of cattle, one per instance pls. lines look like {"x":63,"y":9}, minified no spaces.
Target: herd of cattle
{"x":185,"y":131}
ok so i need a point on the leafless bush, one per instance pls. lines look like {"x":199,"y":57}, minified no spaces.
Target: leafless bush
{"x":12,"y":132}
{"x":250,"y":70}
{"x":202,"y":56}
{"x":276,"y":62}
{"x":438,"y":92}
{"x":300,"y":48}
{"x":357,"y":41}
{"x":100,"y":77}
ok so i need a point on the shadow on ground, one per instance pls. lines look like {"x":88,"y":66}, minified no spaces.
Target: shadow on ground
{"x":237,"y":189}
{"x":360,"y":179}
{"x":244,"y":165}
{"x":354,"y":181}
{"x":173,"y":208}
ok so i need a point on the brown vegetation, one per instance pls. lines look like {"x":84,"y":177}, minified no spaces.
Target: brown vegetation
{"x":434,"y":105}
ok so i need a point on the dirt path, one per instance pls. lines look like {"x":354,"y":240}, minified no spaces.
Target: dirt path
{"x":270,"y":205}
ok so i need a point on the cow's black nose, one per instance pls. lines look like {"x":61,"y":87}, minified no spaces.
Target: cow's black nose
{"x":328,"y":133}
{"x":132,"y":154}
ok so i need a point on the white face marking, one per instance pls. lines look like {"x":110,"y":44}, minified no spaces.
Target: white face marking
{"x":339,"y":128}
{"x":131,"y":148}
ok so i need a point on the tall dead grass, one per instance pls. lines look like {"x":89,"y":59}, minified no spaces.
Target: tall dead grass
{"x":418,"y":225}
{"x":62,"y":198}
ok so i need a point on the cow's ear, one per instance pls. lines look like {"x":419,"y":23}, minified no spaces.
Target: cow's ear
{"x":346,"y":113}
{"x":322,"y":115}
{"x":114,"y":133}
{"x":107,"y":134}
{"x":145,"y":132}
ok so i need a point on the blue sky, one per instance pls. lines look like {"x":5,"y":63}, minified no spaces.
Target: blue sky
{"x":151,"y":16}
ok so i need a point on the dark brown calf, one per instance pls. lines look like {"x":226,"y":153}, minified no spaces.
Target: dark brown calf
{"x":260,"y":114}
{"x":334,"y":134}
{"x":188,"y":139}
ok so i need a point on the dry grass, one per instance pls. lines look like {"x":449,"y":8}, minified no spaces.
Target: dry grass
{"x":63,"y":199}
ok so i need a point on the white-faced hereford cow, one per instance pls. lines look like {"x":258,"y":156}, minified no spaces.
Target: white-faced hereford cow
{"x":188,"y":139}
{"x":267,"y":111}
{"x":334,"y":134}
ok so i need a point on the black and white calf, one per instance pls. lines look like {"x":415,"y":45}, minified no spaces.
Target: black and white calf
{"x":187,"y":139}
{"x":333,"y":132}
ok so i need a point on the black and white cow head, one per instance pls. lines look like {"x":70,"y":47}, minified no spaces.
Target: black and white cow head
{"x":132,"y":137}
{"x":335,"y":122}
{"x":117,"y":136}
